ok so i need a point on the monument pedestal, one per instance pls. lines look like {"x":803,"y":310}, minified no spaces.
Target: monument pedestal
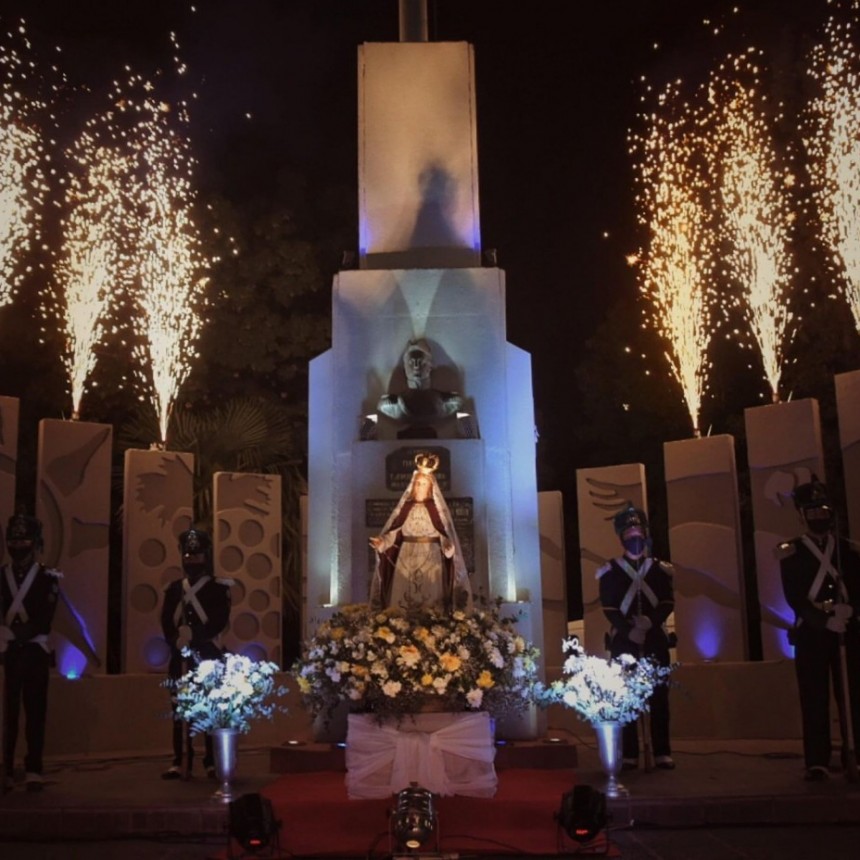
{"x":446,"y":753}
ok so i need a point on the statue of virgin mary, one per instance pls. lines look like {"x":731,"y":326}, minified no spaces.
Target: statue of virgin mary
{"x":419,"y":563}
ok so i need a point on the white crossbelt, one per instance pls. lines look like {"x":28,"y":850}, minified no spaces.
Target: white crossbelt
{"x":637,"y":584}
{"x":189,"y":596}
{"x":825,"y":568}
{"x":17,"y":609}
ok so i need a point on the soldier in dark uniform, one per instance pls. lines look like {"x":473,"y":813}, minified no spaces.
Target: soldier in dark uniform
{"x":195,"y":612}
{"x":28,"y":600}
{"x":637,"y":597}
{"x":821,"y":581}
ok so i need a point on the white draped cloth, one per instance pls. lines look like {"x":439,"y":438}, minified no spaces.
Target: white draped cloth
{"x":445,"y":753}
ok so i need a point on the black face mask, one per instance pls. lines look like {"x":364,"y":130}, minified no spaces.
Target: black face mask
{"x":635,"y":544}
{"x":194,"y":569}
{"x":820,"y":526}
{"x":20,"y":553}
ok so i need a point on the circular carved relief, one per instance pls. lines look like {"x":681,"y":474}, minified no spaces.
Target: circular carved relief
{"x":230,"y":559}
{"x":152,"y":552}
{"x":245,"y":626}
{"x":259,"y":566}
{"x":143,"y":598}
{"x":251,"y":533}
{"x":259,"y":600}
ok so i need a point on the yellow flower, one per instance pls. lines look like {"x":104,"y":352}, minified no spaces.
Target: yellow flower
{"x":304,"y":684}
{"x":360,"y":671}
{"x":449,"y":662}
{"x":385,"y":634}
{"x":426,"y":679}
{"x":337,"y":633}
{"x":409,"y":655}
{"x":485,"y":680}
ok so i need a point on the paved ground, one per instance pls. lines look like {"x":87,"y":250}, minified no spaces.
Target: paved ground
{"x":726,"y":799}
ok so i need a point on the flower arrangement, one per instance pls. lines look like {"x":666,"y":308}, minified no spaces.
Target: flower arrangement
{"x":226,"y":693}
{"x":602,"y":690}
{"x":391,"y":663}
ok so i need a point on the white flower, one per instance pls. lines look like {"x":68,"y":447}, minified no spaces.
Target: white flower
{"x":603,"y":690}
{"x":474,"y":698}
{"x":391,"y":688}
{"x":225,"y":693}
{"x":495,"y":657}
{"x":440,"y":684}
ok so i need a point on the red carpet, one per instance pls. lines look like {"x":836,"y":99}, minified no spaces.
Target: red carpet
{"x":318,"y":819}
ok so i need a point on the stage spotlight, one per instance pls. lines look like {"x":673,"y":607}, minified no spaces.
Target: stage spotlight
{"x":413,"y":821}
{"x":582,"y":814}
{"x":252,"y":823}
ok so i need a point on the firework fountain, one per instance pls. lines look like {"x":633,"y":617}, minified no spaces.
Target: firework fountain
{"x":92,"y":269}
{"x":169,"y":262}
{"x":756,"y":210}
{"x":22,"y":178}
{"x":832,"y":140}
{"x":677,"y":267}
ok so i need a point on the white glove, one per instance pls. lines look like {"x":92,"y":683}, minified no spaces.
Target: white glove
{"x":637,"y":635}
{"x":842,"y":611}
{"x":836,"y":624}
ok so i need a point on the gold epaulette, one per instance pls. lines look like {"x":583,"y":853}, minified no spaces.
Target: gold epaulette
{"x":784,"y":549}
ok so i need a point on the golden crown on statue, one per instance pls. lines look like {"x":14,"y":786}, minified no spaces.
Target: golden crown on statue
{"x":427,"y":464}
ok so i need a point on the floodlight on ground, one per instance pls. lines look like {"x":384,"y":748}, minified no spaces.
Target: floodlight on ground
{"x":413,"y":821}
{"x":582,"y":814}
{"x":252,"y":825}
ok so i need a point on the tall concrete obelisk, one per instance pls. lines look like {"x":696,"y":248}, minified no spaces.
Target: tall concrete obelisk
{"x":419,"y":276}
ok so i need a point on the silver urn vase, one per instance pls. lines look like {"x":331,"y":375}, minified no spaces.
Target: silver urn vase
{"x":225,"y":743}
{"x":609,"y":750}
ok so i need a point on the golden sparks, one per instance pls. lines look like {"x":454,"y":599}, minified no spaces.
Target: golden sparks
{"x":22,"y":179}
{"x":92,"y":270}
{"x":832,"y":138}
{"x":676,"y":267}
{"x":755,"y":208}
{"x":170,"y":264}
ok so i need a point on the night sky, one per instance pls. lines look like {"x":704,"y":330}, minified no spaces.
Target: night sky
{"x":555,"y":101}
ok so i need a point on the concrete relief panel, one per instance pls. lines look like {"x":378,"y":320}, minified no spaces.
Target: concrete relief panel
{"x":247,"y":539}
{"x":784,"y":450}
{"x":73,"y":503}
{"x":9,"y":412}
{"x":158,"y":507}
{"x":600,"y":494}
{"x":705,"y":548}
{"x":848,"y":407}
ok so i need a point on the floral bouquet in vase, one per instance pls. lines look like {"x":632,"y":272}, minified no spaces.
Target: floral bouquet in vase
{"x":607,"y":694}
{"x":227,"y":693}
{"x":606,"y":691}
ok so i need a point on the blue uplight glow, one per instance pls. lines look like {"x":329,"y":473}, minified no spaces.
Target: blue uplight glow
{"x":72,"y":663}
{"x":709,"y":639}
